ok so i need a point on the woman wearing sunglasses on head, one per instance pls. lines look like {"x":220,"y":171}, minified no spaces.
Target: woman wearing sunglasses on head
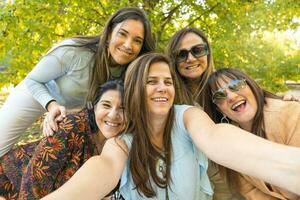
{"x":33,"y":170}
{"x":233,"y":97}
{"x":69,"y":74}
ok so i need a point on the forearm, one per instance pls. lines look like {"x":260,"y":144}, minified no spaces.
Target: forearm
{"x":254,"y":156}
{"x":39,"y":91}
{"x":47,"y":69}
{"x":93,"y":180}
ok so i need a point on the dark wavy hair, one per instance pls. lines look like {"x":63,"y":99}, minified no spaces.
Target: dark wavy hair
{"x":107,"y":86}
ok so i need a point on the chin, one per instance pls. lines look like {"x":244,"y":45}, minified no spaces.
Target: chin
{"x":109,"y":135}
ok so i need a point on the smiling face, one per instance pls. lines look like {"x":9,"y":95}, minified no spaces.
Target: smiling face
{"x":109,"y":114}
{"x":193,"y":67}
{"x":126,"y":41}
{"x":240,"y":106}
{"x":160,"y":91}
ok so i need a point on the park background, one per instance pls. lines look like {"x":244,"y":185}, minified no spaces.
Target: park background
{"x":261,"y":37}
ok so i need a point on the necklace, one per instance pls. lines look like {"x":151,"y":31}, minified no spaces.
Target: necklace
{"x":161,"y":169}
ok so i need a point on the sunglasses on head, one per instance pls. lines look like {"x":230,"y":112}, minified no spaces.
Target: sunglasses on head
{"x":232,"y":85}
{"x":197,"y":51}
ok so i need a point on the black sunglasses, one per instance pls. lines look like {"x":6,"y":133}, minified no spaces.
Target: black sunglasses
{"x":233,"y":86}
{"x":197,"y":51}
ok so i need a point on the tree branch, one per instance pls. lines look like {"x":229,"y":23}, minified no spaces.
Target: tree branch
{"x":166,"y":20}
{"x":197,"y":18}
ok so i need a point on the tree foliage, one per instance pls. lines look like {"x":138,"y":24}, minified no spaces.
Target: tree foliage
{"x":242,"y":33}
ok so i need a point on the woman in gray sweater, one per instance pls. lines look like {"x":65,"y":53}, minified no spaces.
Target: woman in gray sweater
{"x":68,"y":75}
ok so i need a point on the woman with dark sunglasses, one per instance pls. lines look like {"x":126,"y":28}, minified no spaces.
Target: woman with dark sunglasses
{"x":191,"y":56}
{"x":233,"y":97}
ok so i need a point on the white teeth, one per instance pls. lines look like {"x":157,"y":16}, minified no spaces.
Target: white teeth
{"x":234,"y":106}
{"x":111,"y":124}
{"x":192,"y":67}
{"x":160,"y":99}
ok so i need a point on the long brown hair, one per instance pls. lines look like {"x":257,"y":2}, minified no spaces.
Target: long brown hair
{"x":258,"y":126}
{"x":173,"y":45}
{"x":98,"y":45}
{"x":144,"y":154}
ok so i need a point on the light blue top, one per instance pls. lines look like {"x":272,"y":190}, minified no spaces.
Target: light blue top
{"x":188,"y":169}
{"x":61,"y":75}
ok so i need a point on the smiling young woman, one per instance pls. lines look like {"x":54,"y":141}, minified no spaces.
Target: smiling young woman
{"x":33,"y":170}
{"x":233,"y":94}
{"x":191,"y":56}
{"x":69,"y":74}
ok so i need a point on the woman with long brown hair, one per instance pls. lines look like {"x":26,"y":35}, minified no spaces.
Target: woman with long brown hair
{"x":68,"y":75}
{"x":233,"y":97}
{"x":192,"y":59}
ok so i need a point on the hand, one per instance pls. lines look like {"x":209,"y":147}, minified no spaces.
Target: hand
{"x":55,"y":115}
{"x":289,"y":97}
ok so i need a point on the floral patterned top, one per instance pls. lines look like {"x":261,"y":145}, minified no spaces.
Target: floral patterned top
{"x":34,"y":170}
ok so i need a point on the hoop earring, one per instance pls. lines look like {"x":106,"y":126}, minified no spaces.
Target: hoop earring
{"x":225,"y":119}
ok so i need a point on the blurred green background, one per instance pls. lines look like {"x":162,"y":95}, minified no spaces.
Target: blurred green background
{"x":260,"y":37}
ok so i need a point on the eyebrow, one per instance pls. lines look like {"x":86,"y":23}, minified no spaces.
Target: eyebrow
{"x":153,"y":77}
{"x":121,"y":29}
{"x":192,"y":46}
{"x":105,"y":101}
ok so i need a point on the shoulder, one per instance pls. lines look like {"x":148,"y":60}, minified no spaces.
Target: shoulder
{"x":68,"y":48}
{"x":189,"y":111}
{"x":284,"y":108}
{"x":180,"y":110}
{"x":62,"y":46}
{"x":187,"y":114}
{"x":115,"y":146}
{"x":126,"y":139}
{"x":282,"y":120}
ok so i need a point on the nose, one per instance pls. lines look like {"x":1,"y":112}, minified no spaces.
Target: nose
{"x":114,"y":113}
{"x":231,"y":95}
{"x":190,"y":57}
{"x":161,"y":87}
{"x":128,"y":43}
